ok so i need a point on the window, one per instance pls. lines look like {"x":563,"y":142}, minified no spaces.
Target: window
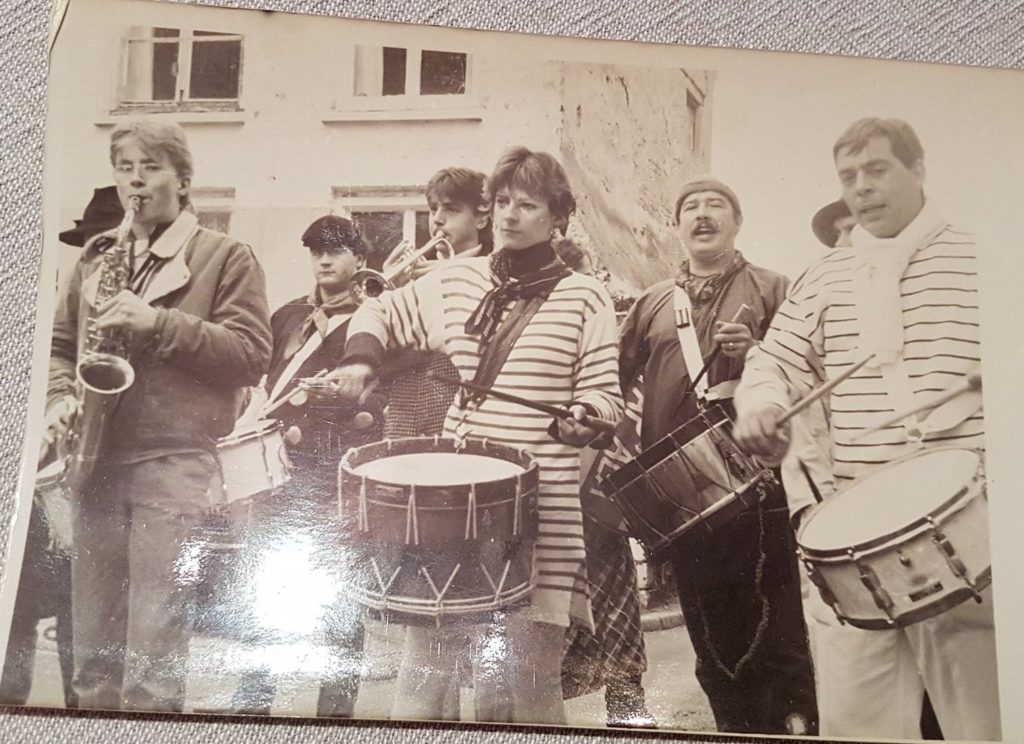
{"x":396,"y":76}
{"x":180,"y":70}
{"x":385,"y":215}
{"x":695,"y":109}
{"x":212,"y":205}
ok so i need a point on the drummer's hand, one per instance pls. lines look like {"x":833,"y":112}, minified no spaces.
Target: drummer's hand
{"x":734,"y":338}
{"x":58,"y":418}
{"x":758,"y":431}
{"x":348,"y":381}
{"x":572,"y":431}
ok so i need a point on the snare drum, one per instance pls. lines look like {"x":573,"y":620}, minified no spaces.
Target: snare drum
{"x":252,"y":460}
{"x":697,"y":476}
{"x":443,"y":532}
{"x":904,"y":543}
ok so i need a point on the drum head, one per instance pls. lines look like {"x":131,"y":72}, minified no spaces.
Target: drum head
{"x":889,"y":499}
{"x":437,"y":469}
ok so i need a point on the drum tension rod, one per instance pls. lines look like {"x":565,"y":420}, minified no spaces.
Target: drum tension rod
{"x":952,"y":559}
{"x":878,"y":593}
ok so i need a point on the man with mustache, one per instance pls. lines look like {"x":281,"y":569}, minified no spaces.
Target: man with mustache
{"x":905,"y":292}
{"x":738,"y":585}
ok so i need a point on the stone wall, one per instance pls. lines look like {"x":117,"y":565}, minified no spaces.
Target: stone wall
{"x":625,"y":141}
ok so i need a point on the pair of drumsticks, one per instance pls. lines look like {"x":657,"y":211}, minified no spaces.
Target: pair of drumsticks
{"x":972,"y":383}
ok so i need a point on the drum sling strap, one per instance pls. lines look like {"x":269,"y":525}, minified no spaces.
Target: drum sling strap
{"x":695,"y":367}
{"x":496,"y":352}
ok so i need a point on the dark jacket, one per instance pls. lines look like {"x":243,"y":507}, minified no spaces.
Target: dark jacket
{"x":212,"y":339}
{"x":325,"y":424}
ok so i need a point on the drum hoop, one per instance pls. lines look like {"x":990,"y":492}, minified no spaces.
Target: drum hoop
{"x":629,"y":472}
{"x":921,"y":522}
{"x":269,"y":426}
{"x":439,"y":445}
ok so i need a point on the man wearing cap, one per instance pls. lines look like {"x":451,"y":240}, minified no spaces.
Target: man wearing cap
{"x":738,"y":586}
{"x":309,"y":336}
{"x":905,"y":297}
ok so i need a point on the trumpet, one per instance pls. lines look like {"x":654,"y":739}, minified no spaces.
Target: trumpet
{"x":368,"y":283}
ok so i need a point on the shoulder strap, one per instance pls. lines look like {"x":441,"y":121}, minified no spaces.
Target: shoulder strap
{"x":500,"y":345}
{"x":688,"y":343}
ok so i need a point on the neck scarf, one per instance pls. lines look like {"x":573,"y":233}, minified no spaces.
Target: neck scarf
{"x":881,"y":263}
{"x":319,"y":317}
{"x":527,"y":273}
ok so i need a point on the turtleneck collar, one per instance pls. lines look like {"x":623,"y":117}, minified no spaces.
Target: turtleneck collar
{"x":529,"y":260}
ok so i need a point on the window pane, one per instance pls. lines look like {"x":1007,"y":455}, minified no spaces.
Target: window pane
{"x":215,"y":68}
{"x":151,"y":66}
{"x":394,"y":72}
{"x":381,"y":232}
{"x":215,"y":219}
{"x":422,"y":229}
{"x":442,"y":73}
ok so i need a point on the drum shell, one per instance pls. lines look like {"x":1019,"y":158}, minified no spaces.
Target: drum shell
{"x":412,"y":540}
{"x":912,"y":566}
{"x":696,"y":476}
{"x":252,"y":461}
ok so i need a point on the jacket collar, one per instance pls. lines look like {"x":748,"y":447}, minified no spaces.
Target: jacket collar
{"x":173,"y":274}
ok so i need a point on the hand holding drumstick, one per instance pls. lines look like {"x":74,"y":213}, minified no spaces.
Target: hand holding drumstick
{"x":763,"y":430}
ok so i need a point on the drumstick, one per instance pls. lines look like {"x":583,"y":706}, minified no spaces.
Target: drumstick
{"x":592,"y":421}
{"x":972,"y":383}
{"x":743,"y":310}
{"x":294,"y":393}
{"x":820,"y":392}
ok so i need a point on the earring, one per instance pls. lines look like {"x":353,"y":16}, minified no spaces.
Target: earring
{"x":554,"y":233}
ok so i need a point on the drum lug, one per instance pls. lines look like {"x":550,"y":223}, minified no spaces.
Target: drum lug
{"x":878,"y":593}
{"x":823,"y":589}
{"x":952,"y":559}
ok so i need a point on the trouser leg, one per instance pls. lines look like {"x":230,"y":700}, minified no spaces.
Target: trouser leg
{"x":956,"y":654}
{"x":99,"y":591}
{"x":344,"y":636}
{"x":740,"y":595}
{"x":169,"y":503}
{"x":426,"y":672}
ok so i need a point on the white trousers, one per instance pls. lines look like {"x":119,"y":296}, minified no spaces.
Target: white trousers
{"x":871,"y":683}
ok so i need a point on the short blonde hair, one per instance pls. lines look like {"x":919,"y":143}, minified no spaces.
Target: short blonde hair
{"x":165,"y":138}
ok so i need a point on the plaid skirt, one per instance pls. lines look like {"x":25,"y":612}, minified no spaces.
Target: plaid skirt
{"x":417,"y":405}
{"x":615,"y":649}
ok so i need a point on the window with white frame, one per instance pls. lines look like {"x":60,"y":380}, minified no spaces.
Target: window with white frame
{"x":385,"y":216}
{"x":179,"y":69}
{"x":212,"y":205}
{"x":395,"y":77}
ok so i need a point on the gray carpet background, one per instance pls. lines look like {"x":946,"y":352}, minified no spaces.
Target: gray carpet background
{"x":951,"y":31}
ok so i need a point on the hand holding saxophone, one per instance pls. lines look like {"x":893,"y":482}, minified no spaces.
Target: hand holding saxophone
{"x":127,"y":311}
{"x":58,"y":418}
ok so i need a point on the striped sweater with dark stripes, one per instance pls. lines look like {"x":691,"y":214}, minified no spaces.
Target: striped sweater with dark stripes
{"x":814,"y":337}
{"x":567,"y":352}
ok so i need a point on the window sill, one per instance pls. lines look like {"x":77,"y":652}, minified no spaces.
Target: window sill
{"x":410,"y":114}
{"x":229,"y":114}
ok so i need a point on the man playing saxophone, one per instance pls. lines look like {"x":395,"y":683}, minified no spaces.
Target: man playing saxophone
{"x":193,"y":321}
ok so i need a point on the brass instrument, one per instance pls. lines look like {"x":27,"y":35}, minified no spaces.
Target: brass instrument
{"x":103,"y":370}
{"x":368,"y":283}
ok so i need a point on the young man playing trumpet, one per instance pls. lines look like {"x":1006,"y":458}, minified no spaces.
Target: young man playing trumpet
{"x":461,"y":215}
{"x":193,"y":305}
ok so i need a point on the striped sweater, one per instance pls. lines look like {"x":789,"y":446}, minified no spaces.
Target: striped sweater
{"x":814,"y":337}
{"x":567,"y":352}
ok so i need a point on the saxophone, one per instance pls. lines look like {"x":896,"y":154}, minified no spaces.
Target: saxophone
{"x":103,"y":370}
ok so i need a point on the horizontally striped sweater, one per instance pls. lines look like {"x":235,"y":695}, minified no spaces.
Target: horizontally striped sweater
{"x":567,"y":352}
{"x":815,"y":337}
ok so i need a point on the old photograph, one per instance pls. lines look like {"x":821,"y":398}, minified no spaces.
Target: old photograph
{"x":412,"y":373}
